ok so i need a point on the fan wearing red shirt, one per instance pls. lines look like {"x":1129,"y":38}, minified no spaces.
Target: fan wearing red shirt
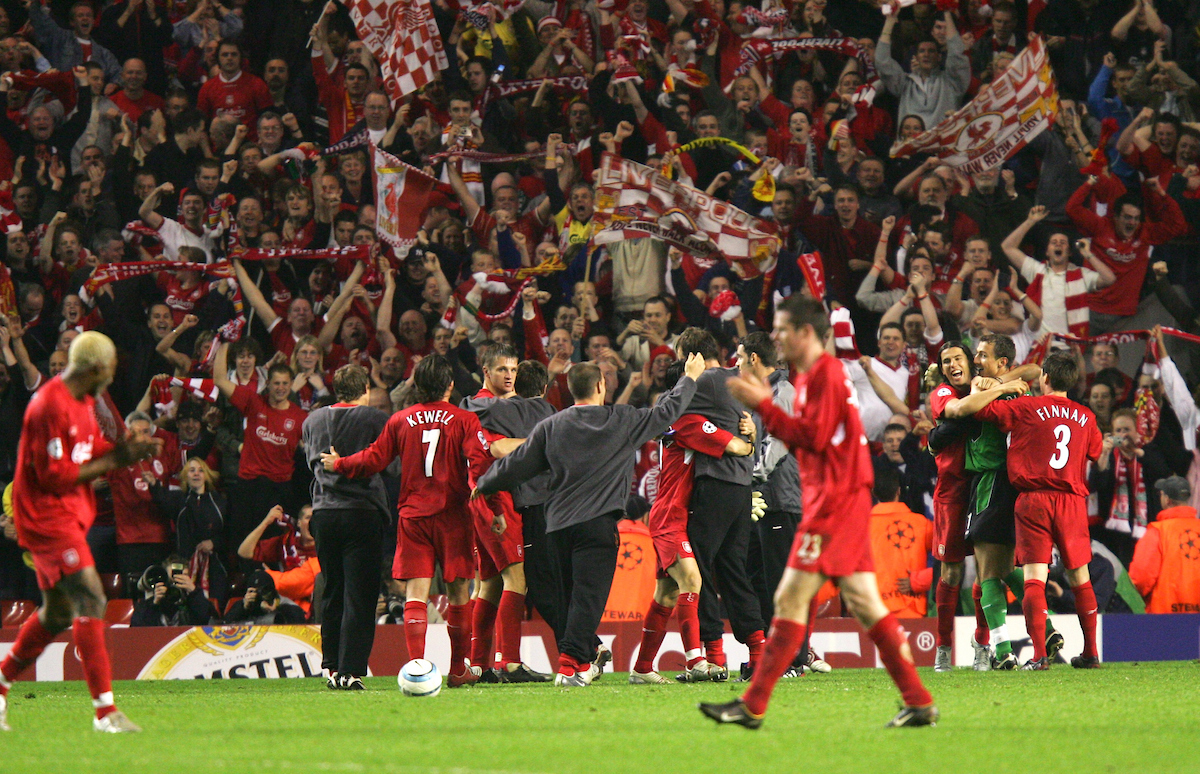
{"x":234,"y":93}
{"x":679,"y":582}
{"x":272,"y":433}
{"x":1123,"y":239}
{"x":144,"y":534}
{"x":1051,"y":439}
{"x":61,"y":451}
{"x":833,"y":540}
{"x":438,"y":444}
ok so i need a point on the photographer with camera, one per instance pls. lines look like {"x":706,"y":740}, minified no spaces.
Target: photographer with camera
{"x":262,"y":605}
{"x":170,"y":597}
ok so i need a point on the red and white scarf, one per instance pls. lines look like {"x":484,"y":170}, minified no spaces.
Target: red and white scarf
{"x":1076,"y":300}
{"x":1124,"y":515}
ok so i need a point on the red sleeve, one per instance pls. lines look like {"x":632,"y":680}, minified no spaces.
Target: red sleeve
{"x":377,"y":456}
{"x":814,"y":427}
{"x":475,"y":446}
{"x":938,"y":400}
{"x":692,"y":431}
{"x":1147,"y":562}
{"x":535,"y":336}
{"x":1087,"y":221}
{"x":1164,"y":220}
{"x":1154,"y":163}
{"x":1095,"y":442}
{"x":244,"y":398}
{"x":325,"y":87}
{"x":1002,"y":413}
{"x":48,"y":464}
{"x":774,"y":109}
{"x":204,"y":99}
{"x":482,"y":224}
{"x":921,"y":580}
{"x":655,"y":134}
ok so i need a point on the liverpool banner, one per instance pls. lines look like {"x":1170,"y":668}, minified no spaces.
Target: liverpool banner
{"x":401,"y":193}
{"x":1016,"y":107}
{"x":633,"y":200}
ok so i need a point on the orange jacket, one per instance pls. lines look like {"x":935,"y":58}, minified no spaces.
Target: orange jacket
{"x":900,"y":544}
{"x":1166,"y":562}
{"x":297,"y":585}
{"x":633,"y":581}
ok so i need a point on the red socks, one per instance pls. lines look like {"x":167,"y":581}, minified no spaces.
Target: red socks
{"x":689,"y":627}
{"x":654,"y":628}
{"x":89,"y":638}
{"x":458,"y":626}
{"x":715,"y":652}
{"x":755,"y":643}
{"x":31,"y":640}
{"x":511,"y":611}
{"x":983,"y":634}
{"x":786,"y":638}
{"x":946,"y":598}
{"x":483,"y":621}
{"x":416,"y":621}
{"x":568,"y":666}
{"x":1034,"y":606}
{"x":893,"y":651}
{"x":1085,"y":608}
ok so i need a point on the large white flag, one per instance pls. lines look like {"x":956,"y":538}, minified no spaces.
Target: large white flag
{"x":401,"y":194}
{"x":1013,"y":109}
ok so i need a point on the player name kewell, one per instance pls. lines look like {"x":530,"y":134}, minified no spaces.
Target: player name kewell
{"x":439,"y":417}
{"x":1047,"y":413}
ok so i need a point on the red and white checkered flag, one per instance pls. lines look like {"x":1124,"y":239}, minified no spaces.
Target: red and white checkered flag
{"x":404,"y":39}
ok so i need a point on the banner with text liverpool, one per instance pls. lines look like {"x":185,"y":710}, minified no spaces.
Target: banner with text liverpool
{"x":1016,"y":107}
{"x":633,"y":200}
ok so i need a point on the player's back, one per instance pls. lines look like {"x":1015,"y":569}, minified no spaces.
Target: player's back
{"x":1051,"y":440}
{"x":690,"y":437}
{"x":834,"y":475}
{"x":435,"y":441}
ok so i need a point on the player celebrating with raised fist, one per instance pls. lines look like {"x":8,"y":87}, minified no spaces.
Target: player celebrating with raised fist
{"x":60,"y":453}
{"x":826,"y":434}
{"x":1051,"y":438}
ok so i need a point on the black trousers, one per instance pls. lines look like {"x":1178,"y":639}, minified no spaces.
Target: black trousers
{"x":585,"y":558}
{"x":768,"y":556}
{"x":541,"y":577}
{"x":719,"y":529}
{"x":349,"y":547}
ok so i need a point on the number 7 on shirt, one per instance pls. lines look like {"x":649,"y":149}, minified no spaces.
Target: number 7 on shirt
{"x":430,"y":437}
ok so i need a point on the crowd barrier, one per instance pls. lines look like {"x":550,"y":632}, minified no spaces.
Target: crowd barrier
{"x":236,"y":652}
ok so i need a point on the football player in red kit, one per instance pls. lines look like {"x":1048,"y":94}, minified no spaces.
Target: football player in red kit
{"x":833,"y":540}
{"x":499,"y":606}
{"x":1051,"y":439}
{"x":679,"y":583}
{"x":436,"y":443}
{"x":61,"y":452}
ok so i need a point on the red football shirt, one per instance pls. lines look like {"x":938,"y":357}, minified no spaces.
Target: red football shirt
{"x":137,"y":518}
{"x":58,"y":436}
{"x":692,"y":433}
{"x":1050,"y":442}
{"x":953,"y":480}
{"x":271,"y":437}
{"x":242,"y":98}
{"x":436,"y":442}
{"x":826,"y":435}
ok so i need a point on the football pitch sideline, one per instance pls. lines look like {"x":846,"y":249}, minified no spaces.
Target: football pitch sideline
{"x":1124,"y":718}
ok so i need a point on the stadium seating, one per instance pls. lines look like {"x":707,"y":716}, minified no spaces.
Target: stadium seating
{"x":114,"y":585}
{"x":13,"y":612}
{"x":119,"y":611}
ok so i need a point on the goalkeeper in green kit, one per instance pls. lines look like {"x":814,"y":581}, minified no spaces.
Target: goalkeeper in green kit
{"x":990,"y":511}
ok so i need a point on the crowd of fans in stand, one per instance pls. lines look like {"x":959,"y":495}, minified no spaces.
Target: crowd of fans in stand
{"x":139,"y":131}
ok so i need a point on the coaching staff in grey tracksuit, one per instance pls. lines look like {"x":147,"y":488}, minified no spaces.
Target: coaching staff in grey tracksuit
{"x":589,"y":450}
{"x":348,"y":519}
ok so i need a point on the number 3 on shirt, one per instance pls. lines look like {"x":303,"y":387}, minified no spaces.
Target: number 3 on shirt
{"x":430,"y":437}
{"x":1062,"y":434}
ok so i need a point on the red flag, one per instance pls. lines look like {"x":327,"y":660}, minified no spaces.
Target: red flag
{"x":401,"y":195}
{"x":404,"y":40}
{"x":814,"y":273}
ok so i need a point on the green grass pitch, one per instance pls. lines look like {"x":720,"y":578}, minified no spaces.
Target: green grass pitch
{"x":1124,"y":718}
